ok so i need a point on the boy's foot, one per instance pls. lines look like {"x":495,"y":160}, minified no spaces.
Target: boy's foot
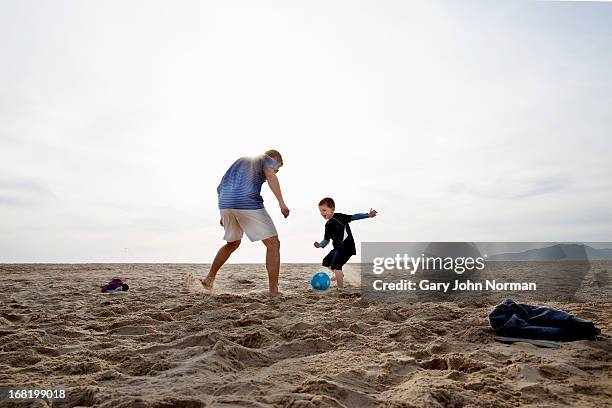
{"x":207,"y":283}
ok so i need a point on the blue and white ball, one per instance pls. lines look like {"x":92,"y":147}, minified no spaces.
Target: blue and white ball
{"x":320,"y":281}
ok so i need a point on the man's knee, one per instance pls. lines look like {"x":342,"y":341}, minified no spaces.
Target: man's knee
{"x":272,"y":243}
{"x":233,"y":245}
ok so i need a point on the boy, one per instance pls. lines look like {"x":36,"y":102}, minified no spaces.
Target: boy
{"x":338,"y":231}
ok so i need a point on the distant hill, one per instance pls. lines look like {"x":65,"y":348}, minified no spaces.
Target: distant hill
{"x":558,"y":252}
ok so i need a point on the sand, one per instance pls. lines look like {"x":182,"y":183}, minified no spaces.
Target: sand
{"x":166,"y":344}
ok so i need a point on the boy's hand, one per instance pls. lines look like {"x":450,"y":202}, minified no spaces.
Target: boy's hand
{"x":221,"y":221}
{"x":317,"y":245}
{"x":372,"y":213}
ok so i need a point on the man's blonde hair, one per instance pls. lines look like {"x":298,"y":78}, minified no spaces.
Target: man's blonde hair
{"x":275,"y":155}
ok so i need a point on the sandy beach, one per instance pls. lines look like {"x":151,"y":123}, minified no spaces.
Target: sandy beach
{"x":166,"y":344}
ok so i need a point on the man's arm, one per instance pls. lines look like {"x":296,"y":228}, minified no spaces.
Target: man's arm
{"x":276,"y":189}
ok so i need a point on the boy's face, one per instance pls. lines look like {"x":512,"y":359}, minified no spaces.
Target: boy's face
{"x":326,"y":212}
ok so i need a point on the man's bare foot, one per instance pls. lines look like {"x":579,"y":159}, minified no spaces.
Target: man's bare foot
{"x":207,"y":283}
{"x":274,"y":295}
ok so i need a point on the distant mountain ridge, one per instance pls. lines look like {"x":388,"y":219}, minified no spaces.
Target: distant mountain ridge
{"x":558,"y":252}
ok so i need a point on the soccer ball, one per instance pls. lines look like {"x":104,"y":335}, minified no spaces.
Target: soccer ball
{"x":320,"y":281}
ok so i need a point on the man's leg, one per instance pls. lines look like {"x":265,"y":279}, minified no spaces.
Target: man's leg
{"x":222,"y":255}
{"x":272,"y":264}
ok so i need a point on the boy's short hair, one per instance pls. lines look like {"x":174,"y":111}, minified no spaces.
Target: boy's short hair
{"x":328,"y":201}
{"x":275,"y":155}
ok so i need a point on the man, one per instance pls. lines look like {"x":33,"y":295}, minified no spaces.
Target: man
{"x":242,"y":211}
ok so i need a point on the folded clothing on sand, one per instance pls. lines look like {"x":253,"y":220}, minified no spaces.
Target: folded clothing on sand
{"x":535,"y":322}
{"x":115,"y":285}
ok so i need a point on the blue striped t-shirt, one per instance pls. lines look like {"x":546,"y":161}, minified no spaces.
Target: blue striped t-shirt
{"x":240,"y":187}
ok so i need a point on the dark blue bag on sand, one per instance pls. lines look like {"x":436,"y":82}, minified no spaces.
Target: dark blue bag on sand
{"x":512,"y":319}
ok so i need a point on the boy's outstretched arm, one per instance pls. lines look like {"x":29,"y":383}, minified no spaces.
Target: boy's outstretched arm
{"x":321,"y":244}
{"x":361,"y":216}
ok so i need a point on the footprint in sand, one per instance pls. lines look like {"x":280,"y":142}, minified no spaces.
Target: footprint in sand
{"x":133,"y":330}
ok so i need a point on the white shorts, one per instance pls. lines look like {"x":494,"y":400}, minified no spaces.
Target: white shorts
{"x":257,"y":224}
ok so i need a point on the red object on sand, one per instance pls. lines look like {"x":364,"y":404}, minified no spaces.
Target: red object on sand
{"x":112,"y":285}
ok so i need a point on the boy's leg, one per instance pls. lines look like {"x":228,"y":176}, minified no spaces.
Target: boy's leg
{"x":272,"y":264}
{"x":327,"y":260}
{"x":340,"y":258}
{"x":222,"y":256}
{"x":339,"y":277}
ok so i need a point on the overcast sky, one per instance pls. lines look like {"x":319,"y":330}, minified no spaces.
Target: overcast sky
{"x":470,"y":121}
